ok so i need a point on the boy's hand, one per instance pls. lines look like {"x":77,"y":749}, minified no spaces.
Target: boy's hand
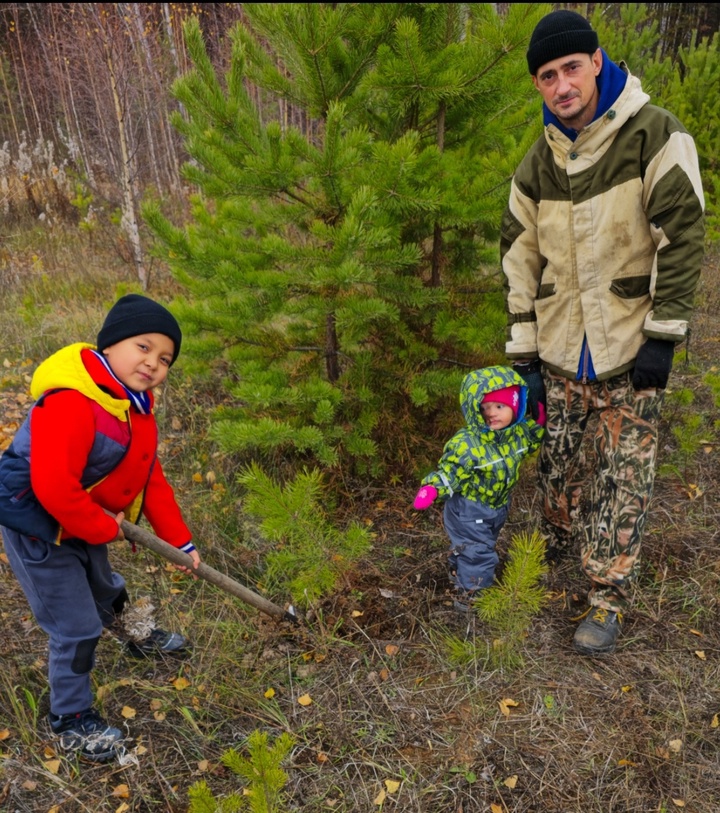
{"x":119,"y":519}
{"x":195,"y":556}
{"x":425,"y":497}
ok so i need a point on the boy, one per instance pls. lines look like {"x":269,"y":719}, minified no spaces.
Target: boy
{"x":477,"y":471}
{"x":83,"y":460}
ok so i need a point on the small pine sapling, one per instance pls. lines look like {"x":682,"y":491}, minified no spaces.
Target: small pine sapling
{"x":509,"y":606}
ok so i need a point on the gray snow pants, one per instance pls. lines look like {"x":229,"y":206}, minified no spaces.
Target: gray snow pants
{"x":473,"y":529}
{"x":73,"y":593}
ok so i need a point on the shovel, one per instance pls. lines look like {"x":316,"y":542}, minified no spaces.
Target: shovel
{"x":224,"y":582}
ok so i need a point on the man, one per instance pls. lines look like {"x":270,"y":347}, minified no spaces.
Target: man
{"x":602,"y":245}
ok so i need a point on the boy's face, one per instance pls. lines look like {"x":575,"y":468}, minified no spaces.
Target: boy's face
{"x":496,"y":415}
{"x":141,"y":362}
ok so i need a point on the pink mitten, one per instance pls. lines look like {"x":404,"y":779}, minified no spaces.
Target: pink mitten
{"x":541,"y":414}
{"x":425,"y":497}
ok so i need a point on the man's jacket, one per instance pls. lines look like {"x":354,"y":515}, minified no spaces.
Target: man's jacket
{"x":603,"y":237}
{"x":83,"y":451}
{"x":480,"y":463}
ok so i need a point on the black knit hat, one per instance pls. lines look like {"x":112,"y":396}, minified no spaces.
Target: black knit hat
{"x":558,"y":34}
{"x":133,"y":315}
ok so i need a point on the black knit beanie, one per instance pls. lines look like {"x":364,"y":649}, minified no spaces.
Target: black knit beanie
{"x":558,"y":34}
{"x":133,"y":315}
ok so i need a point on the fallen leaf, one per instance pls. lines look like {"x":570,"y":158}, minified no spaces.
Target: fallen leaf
{"x":121,"y":791}
{"x":356,"y":613}
{"x":627,"y":688}
{"x":392,"y":785}
{"x":715,"y":722}
{"x":511,"y":781}
{"x":197,"y":477}
{"x":627,"y":762}
{"x":128,"y":712}
{"x":203,"y":765}
{"x":696,"y":632}
{"x":4,"y":734}
{"x":53,"y":765}
{"x":380,"y":798}
{"x":496,"y":808}
{"x":700,"y":654}
{"x":123,"y":808}
{"x":181,"y":683}
{"x":305,"y":700}
{"x":140,"y":750}
{"x":322,"y":756}
{"x":155,"y":704}
{"x":28,"y":784}
{"x":159,"y":716}
{"x":387,"y":593}
{"x":505,"y":704}
{"x":678,"y":802}
{"x":384,"y":673}
{"x":675,"y":746}
{"x":391,"y":649}
{"x":270,"y":693}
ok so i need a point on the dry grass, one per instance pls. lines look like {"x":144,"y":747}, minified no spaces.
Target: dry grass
{"x":635,"y":732}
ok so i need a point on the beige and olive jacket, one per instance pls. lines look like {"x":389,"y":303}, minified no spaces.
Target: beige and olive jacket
{"x":603,"y":237}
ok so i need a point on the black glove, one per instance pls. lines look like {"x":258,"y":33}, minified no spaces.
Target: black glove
{"x":653,"y":364}
{"x":530,"y":371}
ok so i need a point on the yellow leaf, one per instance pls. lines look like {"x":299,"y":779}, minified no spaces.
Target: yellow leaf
{"x":392,"y":785}
{"x":159,"y":716}
{"x":391,"y":649}
{"x":678,"y":803}
{"x":715,"y":721}
{"x":700,"y":654}
{"x":505,"y":705}
{"x":627,"y":762}
{"x":305,"y":700}
{"x":4,"y":734}
{"x":54,"y":809}
{"x":696,"y":632}
{"x":181,"y":683}
{"x":203,"y":765}
{"x":140,"y":750}
{"x":496,"y":808}
{"x":197,"y":477}
{"x":128,"y":712}
{"x":380,"y":798}
{"x":511,"y":781}
{"x":123,"y":808}
{"x":322,"y":756}
{"x":155,"y":704}
{"x":28,"y":784}
{"x":384,"y":674}
{"x":121,"y":791}
{"x":53,"y":765}
{"x":307,"y":656}
{"x":270,"y":693}
{"x":675,"y":746}
{"x":627,"y":688}
{"x":356,"y":613}
{"x":319,"y":657}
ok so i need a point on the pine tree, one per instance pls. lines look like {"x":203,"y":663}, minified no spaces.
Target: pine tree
{"x":341,"y":258}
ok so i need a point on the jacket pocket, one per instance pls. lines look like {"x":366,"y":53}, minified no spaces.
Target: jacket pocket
{"x":546,"y":290}
{"x":631,"y":287}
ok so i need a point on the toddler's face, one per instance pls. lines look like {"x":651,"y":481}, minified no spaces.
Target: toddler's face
{"x":141,"y":362}
{"x":495,"y":414}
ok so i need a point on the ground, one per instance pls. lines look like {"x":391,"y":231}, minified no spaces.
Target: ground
{"x":388,"y":692}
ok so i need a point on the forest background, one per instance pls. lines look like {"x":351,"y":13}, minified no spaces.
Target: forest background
{"x":316,"y":191}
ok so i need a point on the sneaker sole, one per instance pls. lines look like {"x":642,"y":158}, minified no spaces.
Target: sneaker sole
{"x":592,"y":650}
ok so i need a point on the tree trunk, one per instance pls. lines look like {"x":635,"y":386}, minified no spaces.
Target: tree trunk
{"x":332,"y":366}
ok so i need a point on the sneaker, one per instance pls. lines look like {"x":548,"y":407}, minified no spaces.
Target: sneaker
{"x":87,"y":734}
{"x":159,"y":642}
{"x":597,"y":633}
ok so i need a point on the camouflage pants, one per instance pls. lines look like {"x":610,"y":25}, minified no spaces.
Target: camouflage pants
{"x":602,"y":496}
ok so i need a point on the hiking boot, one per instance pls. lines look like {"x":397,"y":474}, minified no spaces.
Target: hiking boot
{"x":159,"y":642}
{"x":597,"y":633}
{"x":463,"y":601}
{"x":87,"y":734}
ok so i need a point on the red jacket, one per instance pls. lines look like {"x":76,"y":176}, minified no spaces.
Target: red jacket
{"x":70,"y":428}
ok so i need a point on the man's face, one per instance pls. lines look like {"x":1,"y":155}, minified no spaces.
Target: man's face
{"x":569,"y":88}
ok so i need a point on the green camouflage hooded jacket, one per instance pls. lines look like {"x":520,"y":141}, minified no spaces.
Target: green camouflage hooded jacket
{"x":480,"y":463}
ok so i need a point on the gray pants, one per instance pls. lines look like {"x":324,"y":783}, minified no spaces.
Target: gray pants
{"x":73,"y":594}
{"x":473,"y":529}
